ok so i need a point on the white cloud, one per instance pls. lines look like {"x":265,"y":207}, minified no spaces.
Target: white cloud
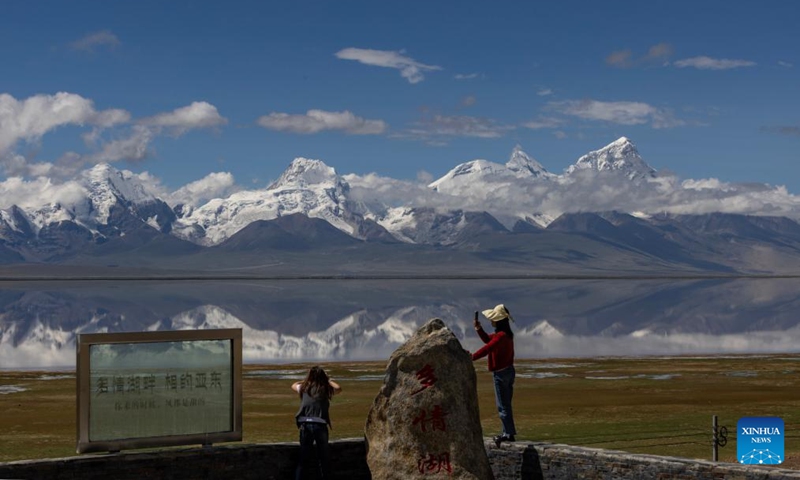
{"x":664,"y":118}
{"x":190,"y":117}
{"x":661,"y":51}
{"x":410,"y":69}
{"x":547,"y":122}
{"x":91,"y":138}
{"x":708,"y":63}
{"x":424,"y":177}
{"x":315,"y":121}
{"x":466,"y":76}
{"x":376,"y":190}
{"x":15,"y":165}
{"x":785,"y":64}
{"x":96,"y":40}
{"x":29,"y":194}
{"x":151,"y":184}
{"x":625,"y":58}
{"x":623,"y":113}
{"x":469,"y":101}
{"x":71,"y":193}
{"x":704,"y":184}
{"x":111,"y":117}
{"x":543,"y":92}
{"x":620,"y":59}
{"x":31,"y":118}
{"x":213,"y":185}
{"x":438,"y":128}
{"x":131,"y":148}
{"x":789,"y":130}
{"x":584,"y":191}
{"x":514,"y":198}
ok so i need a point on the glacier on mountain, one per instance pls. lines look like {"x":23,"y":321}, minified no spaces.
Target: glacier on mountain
{"x":87,"y":201}
{"x":520,"y":194}
{"x":308,"y":186}
{"x":483,"y":174}
{"x":620,"y":155}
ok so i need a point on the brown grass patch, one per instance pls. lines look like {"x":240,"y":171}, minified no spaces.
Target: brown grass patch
{"x":630,"y":407}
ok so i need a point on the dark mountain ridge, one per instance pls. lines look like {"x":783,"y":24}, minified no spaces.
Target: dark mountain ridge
{"x":459,"y":241}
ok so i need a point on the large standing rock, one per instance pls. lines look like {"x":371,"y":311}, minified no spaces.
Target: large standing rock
{"x":425,"y":421}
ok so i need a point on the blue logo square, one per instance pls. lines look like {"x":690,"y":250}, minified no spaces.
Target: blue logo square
{"x":759,"y":440}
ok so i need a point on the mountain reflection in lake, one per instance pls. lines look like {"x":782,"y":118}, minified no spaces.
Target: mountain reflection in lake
{"x":308,"y":320}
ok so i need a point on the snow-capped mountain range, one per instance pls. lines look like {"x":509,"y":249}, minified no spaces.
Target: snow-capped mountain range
{"x":107,"y":206}
{"x":307,"y":186}
{"x":103,"y":189}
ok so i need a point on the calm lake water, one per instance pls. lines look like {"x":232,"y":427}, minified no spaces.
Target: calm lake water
{"x":307,"y":320}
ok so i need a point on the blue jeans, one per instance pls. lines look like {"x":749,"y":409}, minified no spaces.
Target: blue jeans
{"x":311,"y":434}
{"x":503,"y":391}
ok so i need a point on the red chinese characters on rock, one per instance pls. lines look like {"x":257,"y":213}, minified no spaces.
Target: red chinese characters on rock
{"x":435,"y":420}
{"x":430,"y":463}
{"x":433,"y":464}
{"x":426,"y":378}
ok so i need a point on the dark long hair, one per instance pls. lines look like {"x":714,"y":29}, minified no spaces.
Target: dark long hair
{"x":504,"y":326}
{"x":317,"y":380}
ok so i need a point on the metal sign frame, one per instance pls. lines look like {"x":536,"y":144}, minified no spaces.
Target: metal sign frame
{"x":83,"y":386}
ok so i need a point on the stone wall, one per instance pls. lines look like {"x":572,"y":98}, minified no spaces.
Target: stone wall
{"x":561,"y":462}
{"x":277,"y":461}
{"x":274,"y":461}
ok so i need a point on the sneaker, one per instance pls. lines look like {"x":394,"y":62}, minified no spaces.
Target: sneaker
{"x":503,"y":438}
{"x":498,"y":439}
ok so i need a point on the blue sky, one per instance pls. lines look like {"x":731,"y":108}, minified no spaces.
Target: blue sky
{"x":407,"y":90}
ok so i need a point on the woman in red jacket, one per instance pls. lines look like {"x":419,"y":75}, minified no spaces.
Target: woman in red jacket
{"x":500,"y":350}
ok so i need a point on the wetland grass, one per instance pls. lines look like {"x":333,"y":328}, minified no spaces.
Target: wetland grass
{"x":660,"y":406}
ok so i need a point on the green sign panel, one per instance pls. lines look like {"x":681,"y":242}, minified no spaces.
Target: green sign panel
{"x":155,"y":388}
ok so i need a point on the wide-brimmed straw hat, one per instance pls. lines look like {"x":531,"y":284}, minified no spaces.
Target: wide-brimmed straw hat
{"x":498,"y":313}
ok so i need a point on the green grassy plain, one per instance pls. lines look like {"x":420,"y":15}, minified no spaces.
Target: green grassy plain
{"x":660,"y":406}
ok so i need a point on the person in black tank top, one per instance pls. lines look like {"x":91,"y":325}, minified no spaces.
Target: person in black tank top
{"x":313,"y":419}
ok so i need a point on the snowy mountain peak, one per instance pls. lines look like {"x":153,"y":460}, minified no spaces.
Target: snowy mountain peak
{"x":303,"y":172}
{"x":619,"y":155}
{"x":307,"y":186}
{"x":466,"y":174}
{"x":105,"y":182}
{"x":479,"y":166}
{"x":541,"y":329}
{"x":485,"y":175}
{"x":101,"y":171}
{"x":523,"y":164}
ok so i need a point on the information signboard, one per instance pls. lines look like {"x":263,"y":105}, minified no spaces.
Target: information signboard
{"x":149,"y":389}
